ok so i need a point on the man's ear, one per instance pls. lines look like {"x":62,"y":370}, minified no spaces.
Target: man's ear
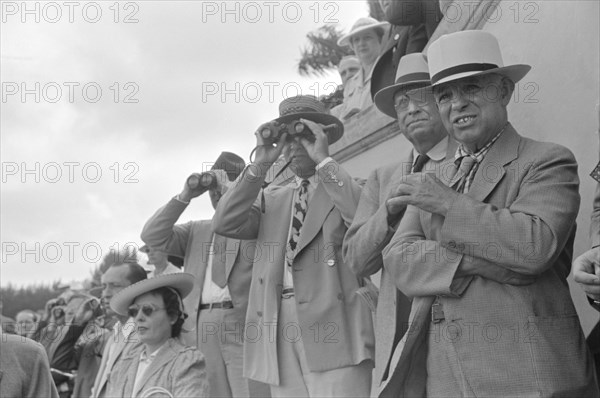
{"x":507,"y":87}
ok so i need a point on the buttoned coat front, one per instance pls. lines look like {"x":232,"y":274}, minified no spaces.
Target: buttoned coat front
{"x":335,"y":324}
{"x":519,"y":215}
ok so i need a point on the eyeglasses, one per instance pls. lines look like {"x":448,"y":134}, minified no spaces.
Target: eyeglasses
{"x":419,"y":97}
{"x":147,"y":310}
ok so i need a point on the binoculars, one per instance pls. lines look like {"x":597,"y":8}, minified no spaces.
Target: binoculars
{"x":206,"y":180}
{"x":272,"y":132}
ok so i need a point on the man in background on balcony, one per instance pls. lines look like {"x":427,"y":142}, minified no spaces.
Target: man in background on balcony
{"x":366,"y":40}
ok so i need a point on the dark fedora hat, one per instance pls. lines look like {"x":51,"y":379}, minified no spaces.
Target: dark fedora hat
{"x":310,"y":108}
{"x":231,"y":163}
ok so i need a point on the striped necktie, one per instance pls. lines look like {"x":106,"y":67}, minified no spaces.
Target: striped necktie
{"x":300,"y":209}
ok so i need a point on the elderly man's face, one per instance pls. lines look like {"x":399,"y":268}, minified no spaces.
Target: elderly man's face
{"x":473,"y":109}
{"x":366,"y":45}
{"x":418,"y":118}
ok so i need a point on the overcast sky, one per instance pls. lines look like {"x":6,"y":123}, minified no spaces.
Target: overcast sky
{"x":107,"y":108}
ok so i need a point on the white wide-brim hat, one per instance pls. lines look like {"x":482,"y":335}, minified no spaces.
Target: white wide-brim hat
{"x":412,"y":73}
{"x":182,"y":282}
{"x":469,"y":53}
{"x":361,"y":25}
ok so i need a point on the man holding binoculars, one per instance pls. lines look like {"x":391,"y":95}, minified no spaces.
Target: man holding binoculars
{"x":223,"y":270}
{"x":308,"y":333}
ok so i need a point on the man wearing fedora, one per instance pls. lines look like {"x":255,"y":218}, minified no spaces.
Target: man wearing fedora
{"x":505,"y":203}
{"x":223,"y":270}
{"x":309,"y":334}
{"x":411,"y":102}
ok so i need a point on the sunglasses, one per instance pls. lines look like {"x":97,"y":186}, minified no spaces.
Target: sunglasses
{"x":147,"y":310}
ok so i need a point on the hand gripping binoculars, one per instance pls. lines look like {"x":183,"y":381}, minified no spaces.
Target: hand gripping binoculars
{"x":272,"y":132}
{"x":206,"y":180}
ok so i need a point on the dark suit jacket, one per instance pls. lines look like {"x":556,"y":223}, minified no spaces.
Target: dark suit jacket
{"x":519,"y":216}
{"x":400,"y":40}
{"x":192,"y":241}
{"x":24,"y":369}
{"x":336,"y":325}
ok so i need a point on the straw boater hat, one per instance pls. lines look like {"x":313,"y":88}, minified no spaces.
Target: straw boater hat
{"x":182,"y":282}
{"x":309,"y":107}
{"x":361,"y":25}
{"x":469,"y":53}
{"x":412,"y":73}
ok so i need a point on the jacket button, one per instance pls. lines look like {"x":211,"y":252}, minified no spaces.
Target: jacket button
{"x":331,"y":262}
{"x":259,"y":313}
{"x":397,"y":36}
{"x":341,"y":184}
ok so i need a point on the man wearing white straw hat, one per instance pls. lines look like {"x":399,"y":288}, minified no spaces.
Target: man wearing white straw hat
{"x":505,"y":203}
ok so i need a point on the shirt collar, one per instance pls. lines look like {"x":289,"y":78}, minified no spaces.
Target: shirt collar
{"x":461,"y":151}
{"x":437,"y":153}
{"x":126,"y":329}
{"x":313,"y":180}
{"x":149,"y":358}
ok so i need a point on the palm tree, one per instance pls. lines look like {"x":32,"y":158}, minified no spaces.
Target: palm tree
{"x":322,"y":53}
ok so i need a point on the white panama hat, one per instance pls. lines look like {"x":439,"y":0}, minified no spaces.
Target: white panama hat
{"x":469,"y":53}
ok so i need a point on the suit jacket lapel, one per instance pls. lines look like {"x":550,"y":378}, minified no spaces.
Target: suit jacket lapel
{"x":231,"y":253}
{"x":318,"y":209}
{"x":491,"y":170}
{"x":166,"y":353}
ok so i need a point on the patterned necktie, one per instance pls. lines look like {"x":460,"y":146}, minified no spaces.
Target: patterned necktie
{"x":218,"y":261}
{"x":460,"y":181}
{"x":300,"y":208}
{"x":596,"y":172}
{"x":419,"y":163}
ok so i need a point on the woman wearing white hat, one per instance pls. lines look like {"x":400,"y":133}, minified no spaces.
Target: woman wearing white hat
{"x":366,"y":40}
{"x":161,"y":364}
